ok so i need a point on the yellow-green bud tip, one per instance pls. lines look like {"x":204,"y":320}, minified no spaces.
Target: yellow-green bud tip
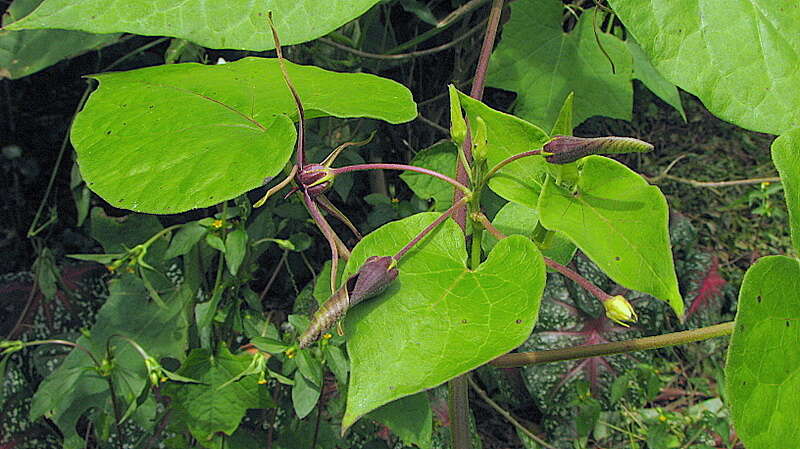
{"x":619,"y":310}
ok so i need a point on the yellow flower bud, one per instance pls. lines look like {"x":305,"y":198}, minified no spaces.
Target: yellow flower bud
{"x":619,"y":310}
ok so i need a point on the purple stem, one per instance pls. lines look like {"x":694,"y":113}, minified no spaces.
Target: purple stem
{"x":429,"y":228}
{"x":580,"y":280}
{"x":329,"y":234}
{"x":380,"y":166}
{"x":509,"y":160}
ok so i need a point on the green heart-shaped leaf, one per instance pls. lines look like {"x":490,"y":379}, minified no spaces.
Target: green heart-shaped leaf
{"x":215,"y":24}
{"x":439,"y":319}
{"x":763,"y":368}
{"x":620,"y":222}
{"x":176,"y":137}
{"x":542,"y":65}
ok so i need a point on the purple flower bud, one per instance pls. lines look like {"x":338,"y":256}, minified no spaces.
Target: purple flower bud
{"x":566,"y":149}
{"x":372,"y":278}
{"x":315,"y":179}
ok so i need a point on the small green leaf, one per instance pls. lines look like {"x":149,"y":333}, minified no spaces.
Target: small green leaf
{"x":545,"y":65}
{"x":235,"y":249}
{"x":438,"y":319}
{"x":309,"y":366}
{"x":786,"y":156}
{"x":186,"y":237}
{"x":521,"y":180}
{"x":304,"y":395}
{"x":410,"y":418}
{"x":210,"y":24}
{"x":440,"y":157}
{"x":215,"y":242}
{"x":337,"y":362}
{"x":206,"y":409}
{"x":619,"y":221}
{"x":762,"y":374}
{"x":517,"y":219}
{"x":75,"y":388}
{"x":171,"y":138}
{"x":270,"y":345}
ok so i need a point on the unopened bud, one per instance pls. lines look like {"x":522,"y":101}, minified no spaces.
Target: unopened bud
{"x":566,"y":149}
{"x":619,"y":310}
{"x":458,"y":126}
{"x":480,"y":142}
{"x":372,"y":278}
{"x":315,"y":178}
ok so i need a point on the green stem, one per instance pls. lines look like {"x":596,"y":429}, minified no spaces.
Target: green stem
{"x":617,"y":347}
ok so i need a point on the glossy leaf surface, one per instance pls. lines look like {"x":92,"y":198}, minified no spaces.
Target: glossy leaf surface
{"x":507,"y":135}
{"x":740,"y":59}
{"x":438,"y":319}
{"x":75,"y":387}
{"x":542,"y":65}
{"x":171,"y":138}
{"x":25,"y":52}
{"x":235,"y":25}
{"x":763,"y":368}
{"x":619,"y":221}
{"x":786,"y":156}
{"x":215,"y":405}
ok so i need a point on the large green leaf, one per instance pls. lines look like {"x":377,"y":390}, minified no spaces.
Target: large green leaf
{"x":542,"y":64}
{"x":217,"y":404}
{"x":786,"y":156}
{"x":620,"y":222}
{"x":763,"y":368}
{"x":521,"y":180}
{"x":438,"y":319}
{"x":171,"y":138}
{"x":74,"y":388}
{"x":739,"y":58}
{"x":26,"y":52}
{"x":217,"y":24}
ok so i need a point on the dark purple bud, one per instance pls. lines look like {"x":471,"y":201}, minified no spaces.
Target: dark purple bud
{"x":315,"y":179}
{"x":373,"y":278}
{"x":566,"y":149}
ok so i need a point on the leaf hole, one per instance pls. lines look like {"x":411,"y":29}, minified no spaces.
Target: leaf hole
{"x":518,"y":321}
{"x":465,"y":322}
{"x":787,"y":324}
{"x":758,"y":299}
{"x":108,"y":133}
{"x":617,"y":258}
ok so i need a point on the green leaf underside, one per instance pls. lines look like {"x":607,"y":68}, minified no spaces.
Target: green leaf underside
{"x":440,"y":157}
{"x":410,"y":418}
{"x":763,"y":367}
{"x":438,"y":319}
{"x":543,"y":67}
{"x":172,"y":138}
{"x":74,"y":388}
{"x":740,"y":60}
{"x":521,"y":180}
{"x":786,"y":156}
{"x":644,"y":71}
{"x":620,"y":222}
{"x":206,"y":409}
{"x":238,"y":25}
